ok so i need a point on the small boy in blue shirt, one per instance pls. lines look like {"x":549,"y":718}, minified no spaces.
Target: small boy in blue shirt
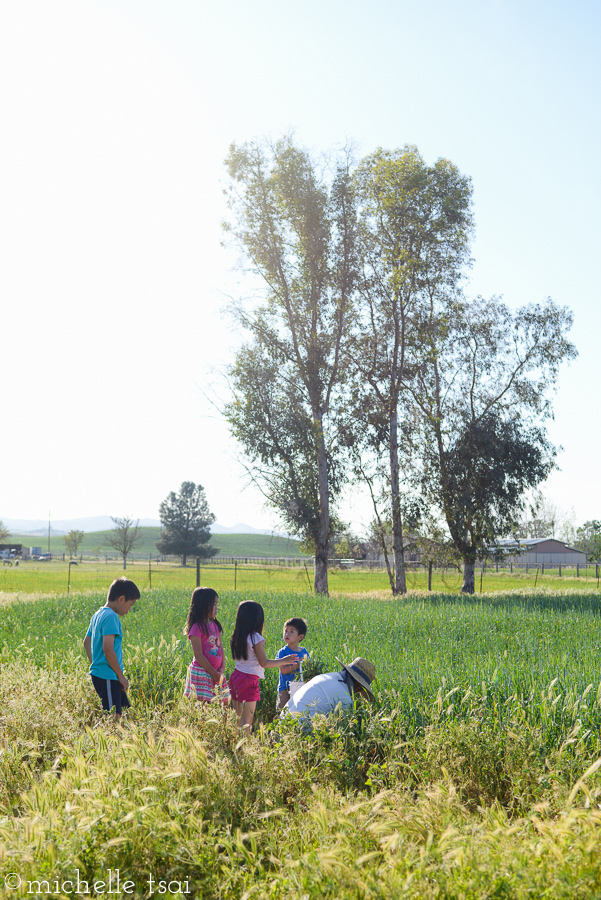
{"x":103,"y":646}
{"x":295,"y":631}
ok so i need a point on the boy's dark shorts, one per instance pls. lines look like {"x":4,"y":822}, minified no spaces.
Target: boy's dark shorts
{"x":111,"y":693}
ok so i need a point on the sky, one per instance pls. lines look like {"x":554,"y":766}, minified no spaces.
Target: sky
{"x":117,"y":116}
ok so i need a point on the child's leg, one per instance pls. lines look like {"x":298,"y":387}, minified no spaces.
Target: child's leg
{"x":283,"y":698}
{"x":246,"y":718}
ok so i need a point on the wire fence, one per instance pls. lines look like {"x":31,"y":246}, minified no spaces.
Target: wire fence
{"x":291,"y":574}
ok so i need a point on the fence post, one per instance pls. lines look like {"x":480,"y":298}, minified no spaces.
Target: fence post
{"x":198,"y":571}
{"x":511,"y":567}
{"x":542,"y":568}
{"x":577,"y":570}
{"x":430,"y":575}
{"x":560,"y":570}
{"x":149,"y":573}
{"x":235,"y":573}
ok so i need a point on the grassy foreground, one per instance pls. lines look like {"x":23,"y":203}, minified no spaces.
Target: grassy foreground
{"x":475,"y":774}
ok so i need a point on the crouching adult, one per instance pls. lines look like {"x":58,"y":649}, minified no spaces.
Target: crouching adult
{"x":325,"y":693}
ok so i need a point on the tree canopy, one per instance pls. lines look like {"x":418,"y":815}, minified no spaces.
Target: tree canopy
{"x":364,"y":359}
{"x":415,"y":227}
{"x":588,"y":539}
{"x":483,"y":397}
{"x":186,"y":520}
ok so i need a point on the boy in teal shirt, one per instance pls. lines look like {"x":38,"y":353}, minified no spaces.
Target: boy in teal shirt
{"x":103,"y":646}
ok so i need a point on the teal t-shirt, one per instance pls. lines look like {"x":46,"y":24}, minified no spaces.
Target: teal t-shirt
{"x":105,"y":621}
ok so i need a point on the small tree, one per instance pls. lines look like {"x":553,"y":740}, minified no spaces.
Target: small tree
{"x":588,"y":539}
{"x":4,"y":532}
{"x":72,"y":542}
{"x":186,"y":518}
{"x":124,"y":536}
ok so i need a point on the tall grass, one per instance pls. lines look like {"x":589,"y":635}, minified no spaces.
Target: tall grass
{"x":473,"y":775}
{"x":536,"y":652}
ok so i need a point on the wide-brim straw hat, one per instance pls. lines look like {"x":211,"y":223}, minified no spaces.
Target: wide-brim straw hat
{"x":362,"y":670}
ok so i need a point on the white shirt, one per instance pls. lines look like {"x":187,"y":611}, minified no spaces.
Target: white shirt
{"x":251,"y":664}
{"x":321,"y":695}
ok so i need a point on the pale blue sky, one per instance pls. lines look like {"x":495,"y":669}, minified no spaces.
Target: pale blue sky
{"x":117,"y":116}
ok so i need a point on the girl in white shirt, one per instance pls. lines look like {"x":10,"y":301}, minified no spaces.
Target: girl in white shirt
{"x":248,"y":651}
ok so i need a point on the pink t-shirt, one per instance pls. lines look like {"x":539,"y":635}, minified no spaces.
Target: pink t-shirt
{"x":212,"y":648}
{"x":251,"y":665}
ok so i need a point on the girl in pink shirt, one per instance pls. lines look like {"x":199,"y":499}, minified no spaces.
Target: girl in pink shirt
{"x":248,"y":650}
{"x":205,"y":672}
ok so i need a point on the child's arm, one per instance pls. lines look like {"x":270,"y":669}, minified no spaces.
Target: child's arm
{"x":202,"y":660}
{"x":302,"y":654}
{"x":290,"y":667}
{"x":221,"y":668}
{"x":87,"y":645}
{"x":273,"y":663}
{"x":108,"y":648}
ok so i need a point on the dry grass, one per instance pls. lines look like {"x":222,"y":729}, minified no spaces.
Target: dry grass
{"x":8,"y":597}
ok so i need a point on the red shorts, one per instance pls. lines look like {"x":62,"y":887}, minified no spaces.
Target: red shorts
{"x":244,"y":687}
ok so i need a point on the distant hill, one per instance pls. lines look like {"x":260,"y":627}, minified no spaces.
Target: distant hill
{"x":95,"y":543}
{"x":256,"y":545}
{"x":39,"y":527}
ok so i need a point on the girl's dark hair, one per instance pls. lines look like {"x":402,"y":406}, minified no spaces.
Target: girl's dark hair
{"x":203,"y":600}
{"x":249,"y":618}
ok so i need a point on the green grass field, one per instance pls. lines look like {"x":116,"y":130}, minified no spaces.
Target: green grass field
{"x":475,"y":774}
{"x":53,"y":576}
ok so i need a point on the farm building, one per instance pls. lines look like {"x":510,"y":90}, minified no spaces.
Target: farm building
{"x":537,"y":551}
{"x":9,"y":551}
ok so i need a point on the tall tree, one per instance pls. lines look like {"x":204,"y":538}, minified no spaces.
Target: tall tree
{"x":124,"y":536}
{"x":186,"y":521}
{"x":415,"y":231}
{"x":296,"y":225}
{"x":72,"y":541}
{"x":483,"y":397}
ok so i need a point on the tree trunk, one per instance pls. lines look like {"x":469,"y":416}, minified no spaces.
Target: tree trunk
{"x":400,"y":585}
{"x":323,"y":533}
{"x":125,"y":561}
{"x":184,"y":559}
{"x":320,"y":582}
{"x":469,"y":578}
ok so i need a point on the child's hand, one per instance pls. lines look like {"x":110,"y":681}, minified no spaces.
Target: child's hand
{"x":124,"y":683}
{"x":290,"y":662}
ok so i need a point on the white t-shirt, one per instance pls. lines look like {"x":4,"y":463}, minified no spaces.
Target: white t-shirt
{"x":251,"y":665}
{"x":320,"y":695}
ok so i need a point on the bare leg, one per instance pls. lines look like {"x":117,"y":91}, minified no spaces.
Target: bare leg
{"x":246,"y":719}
